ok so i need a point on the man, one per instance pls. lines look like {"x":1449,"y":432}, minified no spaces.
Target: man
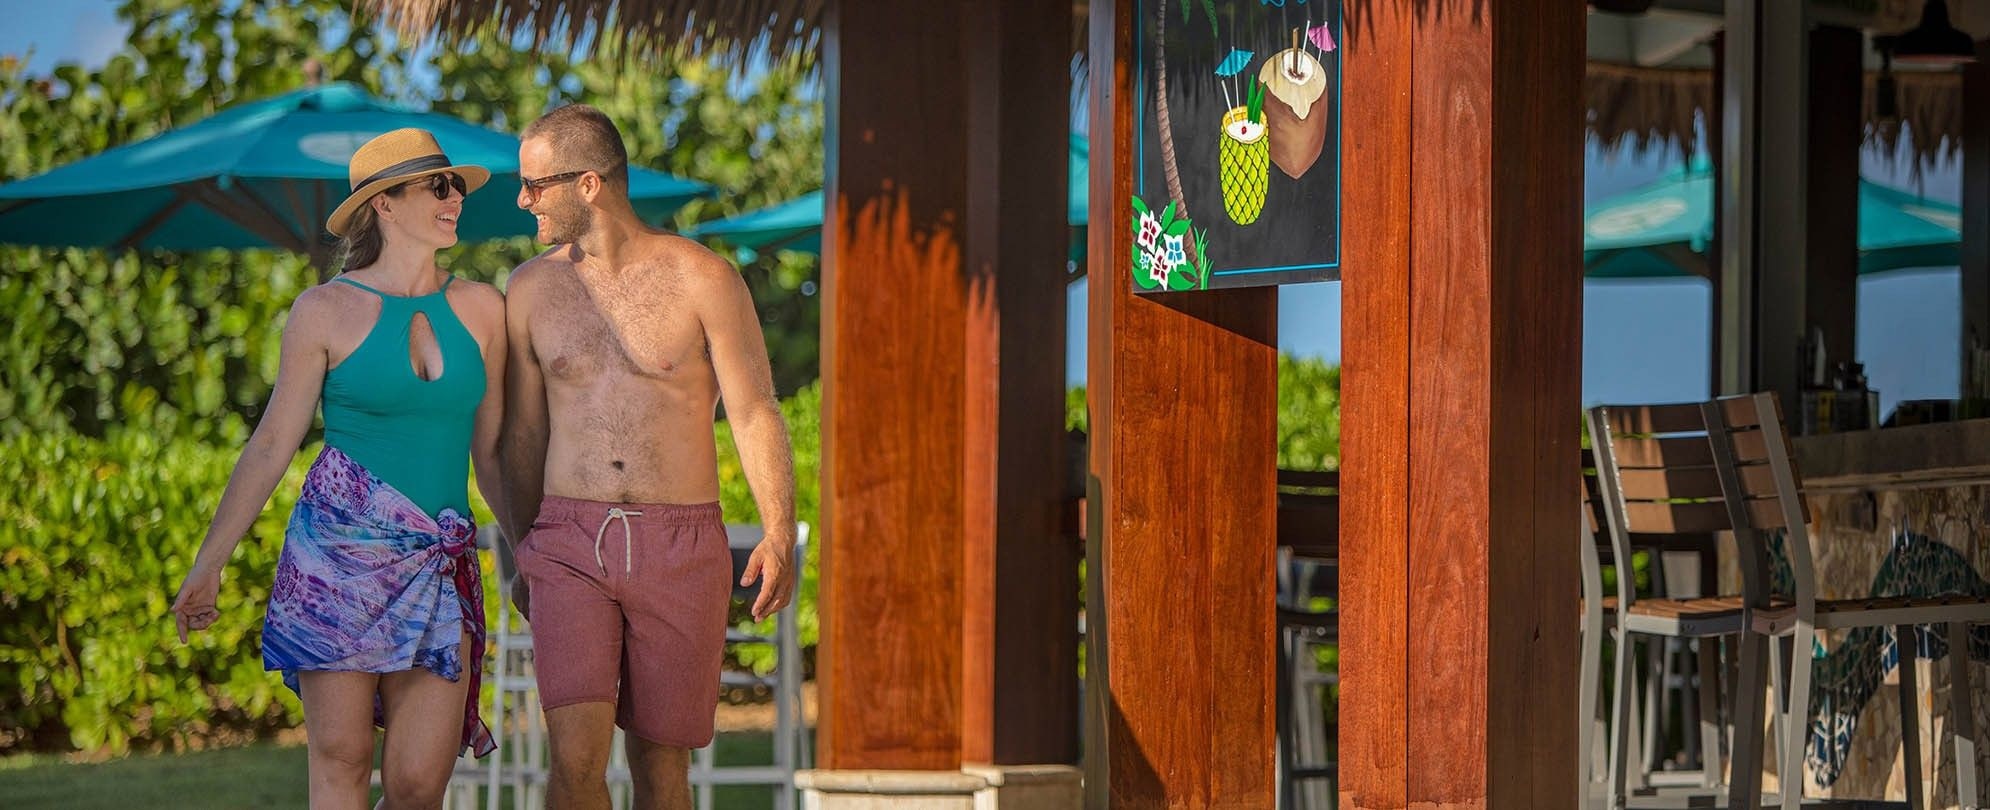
{"x":622,"y":341}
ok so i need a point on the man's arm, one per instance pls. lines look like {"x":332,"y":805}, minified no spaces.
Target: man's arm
{"x":746,"y":384}
{"x":522,"y":450}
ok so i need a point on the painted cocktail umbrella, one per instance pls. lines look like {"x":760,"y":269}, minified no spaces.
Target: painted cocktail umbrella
{"x":264,"y":175}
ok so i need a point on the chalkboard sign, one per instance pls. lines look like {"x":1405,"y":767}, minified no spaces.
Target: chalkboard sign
{"x":1236,"y":154}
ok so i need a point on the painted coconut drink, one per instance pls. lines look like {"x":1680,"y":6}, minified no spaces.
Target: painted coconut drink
{"x":1297,"y":124}
{"x":1244,"y":159}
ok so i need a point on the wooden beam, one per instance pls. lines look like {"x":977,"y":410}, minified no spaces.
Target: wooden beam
{"x":1975,"y":216}
{"x":1837,"y":130}
{"x":1461,"y":405}
{"x":1375,"y":385}
{"x":894,"y":334}
{"x":1020,"y":654}
{"x":1183,"y":397}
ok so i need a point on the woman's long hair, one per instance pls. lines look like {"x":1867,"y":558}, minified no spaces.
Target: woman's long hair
{"x":360,"y":247}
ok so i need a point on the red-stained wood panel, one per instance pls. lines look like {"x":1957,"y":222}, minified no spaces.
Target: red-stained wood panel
{"x":1532,"y":426}
{"x":1020,"y":643}
{"x":894,"y":396}
{"x":1183,"y":395}
{"x":1375,"y":383}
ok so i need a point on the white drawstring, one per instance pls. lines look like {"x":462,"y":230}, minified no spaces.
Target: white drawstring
{"x":613,"y":513}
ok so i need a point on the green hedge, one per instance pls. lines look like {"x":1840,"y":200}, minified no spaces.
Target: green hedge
{"x":94,"y":537}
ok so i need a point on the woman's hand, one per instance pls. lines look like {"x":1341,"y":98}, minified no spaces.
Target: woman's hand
{"x":194,"y":608}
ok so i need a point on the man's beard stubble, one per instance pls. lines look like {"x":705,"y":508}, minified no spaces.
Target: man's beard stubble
{"x":567,"y":222}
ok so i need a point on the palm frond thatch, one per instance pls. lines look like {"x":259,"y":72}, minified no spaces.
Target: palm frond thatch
{"x":720,"y":28}
{"x":1658,"y":107}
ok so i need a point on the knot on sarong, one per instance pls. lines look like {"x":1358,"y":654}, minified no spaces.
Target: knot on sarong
{"x":459,"y":535}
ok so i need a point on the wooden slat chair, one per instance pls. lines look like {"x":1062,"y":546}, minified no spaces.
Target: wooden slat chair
{"x":1655,"y":467}
{"x":1763,"y":489}
{"x":1624,"y":615}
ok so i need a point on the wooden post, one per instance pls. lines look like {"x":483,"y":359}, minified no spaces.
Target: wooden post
{"x":1975,"y":213}
{"x":949,"y":599}
{"x":1375,"y":418}
{"x":894,"y":351}
{"x":1460,"y":428}
{"x":1837,"y":128}
{"x":1183,"y":404}
{"x":1020,"y":659}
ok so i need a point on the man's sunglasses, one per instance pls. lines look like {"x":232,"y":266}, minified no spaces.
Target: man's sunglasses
{"x":535,"y":186}
{"x":440,"y":184}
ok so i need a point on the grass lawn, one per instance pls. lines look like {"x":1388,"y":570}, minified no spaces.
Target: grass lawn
{"x":249,"y":778}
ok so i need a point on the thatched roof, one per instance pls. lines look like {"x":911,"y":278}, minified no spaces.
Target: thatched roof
{"x":1649,"y":105}
{"x":698,"y":27}
{"x":1657,"y":106}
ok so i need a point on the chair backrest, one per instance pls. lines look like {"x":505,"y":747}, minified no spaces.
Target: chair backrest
{"x":1693,"y":468}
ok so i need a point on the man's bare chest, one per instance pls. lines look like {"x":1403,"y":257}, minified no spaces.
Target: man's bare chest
{"x":580,"y":340}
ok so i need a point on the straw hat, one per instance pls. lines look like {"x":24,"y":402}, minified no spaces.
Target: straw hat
{"x":392,"y":159}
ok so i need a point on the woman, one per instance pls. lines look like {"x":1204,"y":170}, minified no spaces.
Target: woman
{"x":376,"y":615}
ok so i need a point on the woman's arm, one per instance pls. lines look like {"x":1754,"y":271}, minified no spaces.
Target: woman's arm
{"x":490,"y":412}
{"x":300,"y":378}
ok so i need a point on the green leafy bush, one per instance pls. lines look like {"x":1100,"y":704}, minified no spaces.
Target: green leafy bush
{"x":94,"y":537}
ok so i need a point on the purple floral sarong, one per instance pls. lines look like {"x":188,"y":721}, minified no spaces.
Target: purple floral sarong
{"x":368,"y":582}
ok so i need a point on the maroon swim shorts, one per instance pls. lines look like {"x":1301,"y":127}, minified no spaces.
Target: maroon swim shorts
{"x":628,"y":606}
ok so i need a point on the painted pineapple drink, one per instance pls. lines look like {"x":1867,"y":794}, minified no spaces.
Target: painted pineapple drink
{"x":1244,"y":159}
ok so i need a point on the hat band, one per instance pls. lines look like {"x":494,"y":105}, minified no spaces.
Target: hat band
{"x":420,"y":164}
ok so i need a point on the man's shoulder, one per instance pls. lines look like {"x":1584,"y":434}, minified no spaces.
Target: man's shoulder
{"x":695,"y":263}
{"x":555,"y":259}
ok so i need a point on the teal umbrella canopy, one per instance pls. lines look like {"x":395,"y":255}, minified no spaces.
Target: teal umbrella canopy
{"x":792,"y":225}
{"x":797,"y":223}
{"x":266,"y":174}
{"x":1663,"y":229}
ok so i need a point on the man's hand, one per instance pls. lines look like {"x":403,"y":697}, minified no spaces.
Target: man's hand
{"x":773,"y":564}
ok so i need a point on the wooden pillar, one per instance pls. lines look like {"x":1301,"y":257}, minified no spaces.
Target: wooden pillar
{"x":1377,"y":56}
{"x":1461,"y":404}
{"x":1183,"y":397}
{"x":1020,"y":659}
{"x":1764,"y":237}
{"x":1837,"y":132}
{"x":949,"y":597}
{"x":1975,"y":213}
{"x":894,"y":330}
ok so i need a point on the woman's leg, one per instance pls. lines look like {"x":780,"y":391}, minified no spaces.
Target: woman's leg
{"x":338,"y":729}
{"x":424,"y":734}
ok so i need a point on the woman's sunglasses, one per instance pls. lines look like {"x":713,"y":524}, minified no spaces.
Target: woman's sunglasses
{"x":439,"y":185}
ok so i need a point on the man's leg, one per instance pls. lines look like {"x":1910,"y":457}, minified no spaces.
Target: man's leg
{"x":662,"y":774}
{"x":577,"y":651}
{"x":579,"y":735}
{"x":338,"y":734}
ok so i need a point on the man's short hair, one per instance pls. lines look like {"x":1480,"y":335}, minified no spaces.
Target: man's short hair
{"x":584,"y":138}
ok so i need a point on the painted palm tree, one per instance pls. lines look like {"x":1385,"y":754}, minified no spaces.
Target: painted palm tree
{"x":1170,"y":169}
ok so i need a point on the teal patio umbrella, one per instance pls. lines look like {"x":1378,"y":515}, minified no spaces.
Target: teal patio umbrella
{"x":1663,"y":229}
{"x":797,"y":223}
{"x":266,"y":174}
